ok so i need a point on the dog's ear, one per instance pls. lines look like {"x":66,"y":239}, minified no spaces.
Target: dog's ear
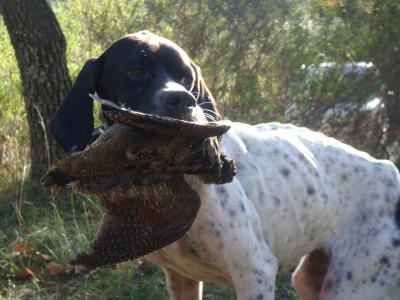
{"x":72,"y":124}
{"x":204,"y":97}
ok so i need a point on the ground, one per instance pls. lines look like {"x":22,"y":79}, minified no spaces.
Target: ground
{"x":38,"y":235}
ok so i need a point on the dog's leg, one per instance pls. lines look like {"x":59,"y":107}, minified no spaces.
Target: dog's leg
{"x":365,"y":264}
{"x":253,"y":272}
{"x":256,"y":282}
{"x":237,"y":235}
{"x":181,"y":287}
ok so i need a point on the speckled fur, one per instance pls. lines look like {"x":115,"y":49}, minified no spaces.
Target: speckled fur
{"x":295,"y":191}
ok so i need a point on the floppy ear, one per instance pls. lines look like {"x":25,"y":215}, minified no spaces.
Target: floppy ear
{"x":72,"y":125}
{"x":204,"y":97}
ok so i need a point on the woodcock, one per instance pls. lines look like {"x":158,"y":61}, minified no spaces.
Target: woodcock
{"x":136,"y":168}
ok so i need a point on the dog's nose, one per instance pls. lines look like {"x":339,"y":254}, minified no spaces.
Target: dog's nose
{"x":179,"y":100}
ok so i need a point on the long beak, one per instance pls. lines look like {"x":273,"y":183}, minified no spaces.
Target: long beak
{"x":163,"y":125}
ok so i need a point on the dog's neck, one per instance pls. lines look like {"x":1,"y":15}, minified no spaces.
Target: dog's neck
{"x":194,"y":181}
{"x":198,"y":185}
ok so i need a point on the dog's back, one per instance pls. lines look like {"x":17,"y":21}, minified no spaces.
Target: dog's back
{"x":310,"y":191}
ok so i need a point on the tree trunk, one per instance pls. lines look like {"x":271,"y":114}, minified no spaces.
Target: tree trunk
{"x":392,"y":103}
{"x":389,"y":69}
{"x":40,"y":47}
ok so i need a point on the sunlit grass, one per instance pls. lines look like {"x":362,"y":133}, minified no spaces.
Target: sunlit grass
{"x":59,"y":229}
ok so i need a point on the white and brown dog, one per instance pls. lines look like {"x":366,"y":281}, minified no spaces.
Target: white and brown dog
{"x":299,"y":197}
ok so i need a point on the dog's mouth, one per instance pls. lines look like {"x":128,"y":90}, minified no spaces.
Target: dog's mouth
{"x":195,"y":114}
{"x":199,"y":127}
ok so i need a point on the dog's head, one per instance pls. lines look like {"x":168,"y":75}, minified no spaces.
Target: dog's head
{"x":142,"y":71}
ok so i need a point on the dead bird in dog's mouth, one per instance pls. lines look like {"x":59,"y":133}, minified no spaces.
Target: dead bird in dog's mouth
{"x":136,"y":168}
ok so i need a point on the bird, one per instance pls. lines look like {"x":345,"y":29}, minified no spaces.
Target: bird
{"x":136,"y":169}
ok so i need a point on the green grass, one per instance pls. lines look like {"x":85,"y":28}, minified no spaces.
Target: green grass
{"x":59,"y":228}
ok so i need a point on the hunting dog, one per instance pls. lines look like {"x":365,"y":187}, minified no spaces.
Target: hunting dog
{"x":299,"y":197}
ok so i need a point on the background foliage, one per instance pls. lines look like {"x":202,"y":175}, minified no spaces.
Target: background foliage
{"x":317,"y":63}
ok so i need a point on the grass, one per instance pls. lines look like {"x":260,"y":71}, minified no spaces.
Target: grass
{"x":36,"y":230}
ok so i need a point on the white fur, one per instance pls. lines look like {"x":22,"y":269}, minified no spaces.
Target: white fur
{"x":295,"y":191}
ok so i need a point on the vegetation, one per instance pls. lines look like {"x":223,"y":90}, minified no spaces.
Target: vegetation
{"x":259,"y":58}
{"x":40,"y":50}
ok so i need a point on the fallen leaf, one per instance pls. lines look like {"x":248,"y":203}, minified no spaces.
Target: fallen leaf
{"x":106,"y":296}
{"x":68,"y":269}
{"x":21,"y":247}
{"x":40,"y":256}
{"x":25,"y":292}
{"x":75,"y":269}
{"x":79,"y":269}
{"x":55,"y":268}
{"x":26,"y":273}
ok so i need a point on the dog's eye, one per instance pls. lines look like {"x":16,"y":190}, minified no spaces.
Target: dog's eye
{"x":187,"y":81}
{"x":136,"y":73}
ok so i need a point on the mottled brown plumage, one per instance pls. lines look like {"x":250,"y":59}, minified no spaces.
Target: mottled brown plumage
{"x":142,"y":215}
{"x":137,"y":174}
{"x":122,"y":149}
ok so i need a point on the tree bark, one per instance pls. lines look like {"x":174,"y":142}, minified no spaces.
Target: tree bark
{"x":40,"y":48}
{"x":392,"y":103}
{"x":390,"y":72}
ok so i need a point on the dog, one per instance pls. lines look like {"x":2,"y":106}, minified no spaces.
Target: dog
{"x":299,"y":197}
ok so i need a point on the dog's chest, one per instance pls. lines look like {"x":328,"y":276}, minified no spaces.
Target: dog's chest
{"x":186,"y":258}
{"x":285,"y":190}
